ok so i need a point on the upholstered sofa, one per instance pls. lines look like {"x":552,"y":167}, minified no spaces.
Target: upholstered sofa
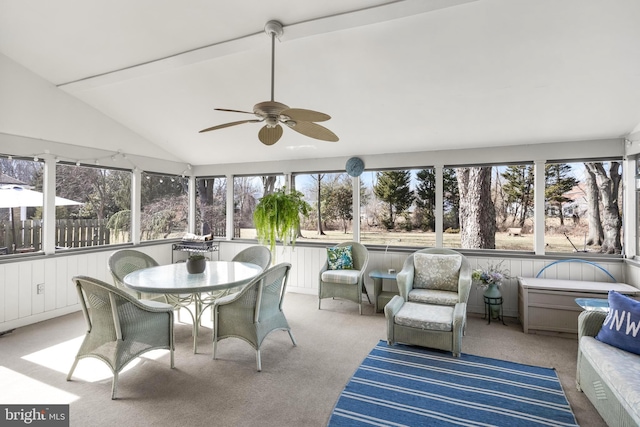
{"x":608,"y":376}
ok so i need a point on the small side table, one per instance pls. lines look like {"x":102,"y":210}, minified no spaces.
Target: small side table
{"x":593,"y":304}
{"x":380,"y":297}
{"x":492,"y":302}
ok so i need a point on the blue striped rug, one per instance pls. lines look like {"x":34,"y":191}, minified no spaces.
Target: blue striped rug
{"x":411,"y":386}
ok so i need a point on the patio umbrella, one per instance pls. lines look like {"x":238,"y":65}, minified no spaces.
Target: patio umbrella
{"x":15,"y":196}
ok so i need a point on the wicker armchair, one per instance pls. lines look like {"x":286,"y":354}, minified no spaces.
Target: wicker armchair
{"x":431,"y":310}
{"x":254,"y":312}
{"x":125,"y":261}
{"x":119,"y":327}
{"x":347,"y":284}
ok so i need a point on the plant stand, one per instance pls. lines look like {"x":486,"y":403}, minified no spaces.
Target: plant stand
{"x":493,"y":305}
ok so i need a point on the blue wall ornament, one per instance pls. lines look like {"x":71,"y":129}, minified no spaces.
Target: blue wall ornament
{"x":355,"y":166}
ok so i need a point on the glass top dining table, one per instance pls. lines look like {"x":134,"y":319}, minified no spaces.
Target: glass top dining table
{"x":174,"y":282}
{"x":174,"y":278}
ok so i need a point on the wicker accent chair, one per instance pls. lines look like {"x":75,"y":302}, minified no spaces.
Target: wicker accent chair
{"x":254,"y":312}
{"x":125,"y":261}
{"x":120,"y":327}
{"x":347,"y":284}
{"x":431,"y":308}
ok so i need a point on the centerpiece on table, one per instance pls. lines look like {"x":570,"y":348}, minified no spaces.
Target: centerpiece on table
{"x":196,"y":263}
{"x":490,"y":279}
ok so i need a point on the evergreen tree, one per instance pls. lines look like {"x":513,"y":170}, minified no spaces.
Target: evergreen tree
{"x":394,"y":189}
{"x":426,"y":198}
{"x":519,"y":190}
{"x":558,"y":182}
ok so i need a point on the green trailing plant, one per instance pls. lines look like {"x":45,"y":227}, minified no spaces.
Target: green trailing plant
{"x":277,"y":216}
{"x":196,"y":257}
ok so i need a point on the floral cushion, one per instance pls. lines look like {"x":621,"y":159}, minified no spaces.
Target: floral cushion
{"x":433,"y":296}
{"x":621,"y":328}
{"x":436,"y":271}
{"x":340,"y":258}
{"x":422,"y":316}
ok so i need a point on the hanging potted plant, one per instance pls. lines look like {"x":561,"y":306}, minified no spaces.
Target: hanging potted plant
{"x":277,"y":216}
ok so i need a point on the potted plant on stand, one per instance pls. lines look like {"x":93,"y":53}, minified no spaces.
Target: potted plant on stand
{"x":196,"y":263}
{"x":277,"y":217}
{"x":490,"y":279}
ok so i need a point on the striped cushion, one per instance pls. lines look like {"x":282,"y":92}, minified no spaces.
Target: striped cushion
{"x":345,"y":277}
{"x":424,"y":316}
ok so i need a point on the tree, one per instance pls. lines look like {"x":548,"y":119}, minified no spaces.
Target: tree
{"x":426,"y":198}
{"x":338,"y":201}
{"x":212,"y":204}
{"x":519,"y":190}
{"x":477,"y":213}
{"x":557,"y":183}
{"x":608,"y":188}
{"x":319,"y":203}
{"x":394,"y":189}
{"x":596,"y":234}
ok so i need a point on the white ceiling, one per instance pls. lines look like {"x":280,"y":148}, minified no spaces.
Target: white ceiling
{"x":396,"y":76}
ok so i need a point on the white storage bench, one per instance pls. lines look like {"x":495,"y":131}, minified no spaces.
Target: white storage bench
{"x":548,"y":305}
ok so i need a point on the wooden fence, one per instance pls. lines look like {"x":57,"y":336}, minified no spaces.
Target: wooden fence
{"x":26,"y":236}
{"x":70,"y":233}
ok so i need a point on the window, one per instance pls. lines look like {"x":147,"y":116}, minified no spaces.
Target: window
{"x":489,"y":207}
{"x":397,"y":208}
{"x":104,"y":217}
{"x":583,"y":207}
{"x":330,"y":196}
{"x":20,"y":216}
{"x":247,"y":191}
{"x":164,"y":207}
{"x":211,"y":207}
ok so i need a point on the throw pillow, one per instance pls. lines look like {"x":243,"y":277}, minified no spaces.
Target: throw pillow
{"x":621,"y":328}
{"x":436,"y":271}
{"x":340,"y":258}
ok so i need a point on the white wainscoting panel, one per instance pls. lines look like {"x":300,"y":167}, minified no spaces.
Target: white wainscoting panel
{"x":20,"y":304}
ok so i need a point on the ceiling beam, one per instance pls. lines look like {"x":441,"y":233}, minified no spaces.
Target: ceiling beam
{"x":372,"y":15}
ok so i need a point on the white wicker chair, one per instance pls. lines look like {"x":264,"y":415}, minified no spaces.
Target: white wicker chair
{"x":347,"y":284}
{"x":120,"y":327}
{"x":430,"y":316}
{"x":254,"y":312}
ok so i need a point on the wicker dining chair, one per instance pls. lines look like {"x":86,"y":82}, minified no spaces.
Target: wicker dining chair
{"x":258,"y":255}
{"x":125,"y":261}
{"x":120,"y":327}
{"x":254,"y":312}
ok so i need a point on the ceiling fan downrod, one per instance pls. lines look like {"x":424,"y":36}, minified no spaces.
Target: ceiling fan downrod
{"x":273,"y":29}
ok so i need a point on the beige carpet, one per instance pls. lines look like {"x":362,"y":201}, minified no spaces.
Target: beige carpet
{"x":298,"y":386}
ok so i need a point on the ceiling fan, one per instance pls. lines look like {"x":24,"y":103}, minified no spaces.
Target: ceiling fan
{"x":274,"y":113}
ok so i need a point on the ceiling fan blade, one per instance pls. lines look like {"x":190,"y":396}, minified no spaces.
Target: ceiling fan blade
{"x":268,"y":135}
{"x":313,"y":130}
{"x":302,"y":115}
{"x":226,"y":125}
{"x":232,"y":111}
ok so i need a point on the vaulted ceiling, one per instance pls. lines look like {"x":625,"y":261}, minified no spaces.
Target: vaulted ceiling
{"x":396,"y":76}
